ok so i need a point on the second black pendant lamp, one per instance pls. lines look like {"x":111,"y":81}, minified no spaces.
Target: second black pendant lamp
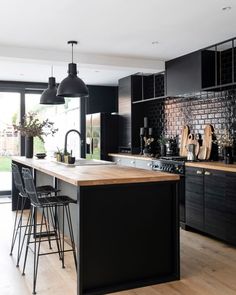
{"x":49,"y":95}
{"x":72,"y":85}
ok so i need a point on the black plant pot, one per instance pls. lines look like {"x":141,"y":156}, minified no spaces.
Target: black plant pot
{"x":29,"y":146}
{"x":228,"y":155}
{"x":163,"y":150}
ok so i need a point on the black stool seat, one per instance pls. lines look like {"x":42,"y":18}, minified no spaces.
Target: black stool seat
{"x":58,"y":200}
{"x":46,"y":189}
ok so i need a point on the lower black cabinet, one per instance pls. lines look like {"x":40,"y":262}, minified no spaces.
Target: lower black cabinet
{"x":215,"y":199}
{"x":231,"y":207}
{"x":211,"y":202}
{"x":194,"y":198}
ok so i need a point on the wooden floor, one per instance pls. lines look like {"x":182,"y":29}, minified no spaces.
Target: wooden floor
{"x":207,"y":267}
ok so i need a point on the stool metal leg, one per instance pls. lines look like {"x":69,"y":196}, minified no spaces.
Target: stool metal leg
{"x":58,"y":232}
{"x":37,"y":253}
{"x":28,"y":237}
{"x":63,"y":237}
{"x":14,"y":228}
{"x":19,"y":229}
{"x":55,"y":230}
{"x":68,"y":214}
{"x":47,"y":224}
{"x":23,"y":240}
{"x":17,"y":223}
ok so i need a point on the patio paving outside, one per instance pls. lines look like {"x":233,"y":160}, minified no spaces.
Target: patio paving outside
{"x":5,"y":181}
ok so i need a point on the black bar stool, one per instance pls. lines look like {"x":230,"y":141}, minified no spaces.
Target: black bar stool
{"x":21,"y":200}
{"x":52,"y":204}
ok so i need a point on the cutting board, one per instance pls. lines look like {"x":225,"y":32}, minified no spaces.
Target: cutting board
{"x":184,"y":141}
{"x":192,"y":140}
{"x":202,"y":153}
{"x":207,"y":141}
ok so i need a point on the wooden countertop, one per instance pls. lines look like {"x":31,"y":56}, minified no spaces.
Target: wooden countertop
{"x":95,"y":175}
{"x":132,"y":156}
{"x":213,"y":165}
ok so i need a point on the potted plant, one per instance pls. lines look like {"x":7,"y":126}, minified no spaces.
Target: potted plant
{"x":31,"y":127}
{"x":162,"y":142}
{"x":59,"y":155}
{"x":226,"y":144}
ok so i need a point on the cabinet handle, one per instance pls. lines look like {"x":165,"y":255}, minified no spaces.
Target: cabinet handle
{"x":199,"y":172}
{"x":132,"y":162}
{"x":207,"y":173}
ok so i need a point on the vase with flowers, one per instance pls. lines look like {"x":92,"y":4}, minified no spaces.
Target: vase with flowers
{"x":31,"y":127}
{"x":226,"y":144}
{"x":147,"y":151}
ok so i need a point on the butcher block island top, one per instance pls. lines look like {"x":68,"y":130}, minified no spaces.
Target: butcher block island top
{"x":95,"y":175}
{"x":213,"y":165}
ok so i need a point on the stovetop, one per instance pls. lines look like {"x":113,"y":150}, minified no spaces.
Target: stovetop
{"x":174,"y":158}
{"x":173,"y":164}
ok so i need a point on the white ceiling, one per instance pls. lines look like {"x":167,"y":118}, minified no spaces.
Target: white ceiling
{"x":115,"y":36}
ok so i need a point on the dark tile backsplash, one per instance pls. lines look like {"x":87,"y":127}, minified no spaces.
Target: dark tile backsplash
{"x":169,"y":115}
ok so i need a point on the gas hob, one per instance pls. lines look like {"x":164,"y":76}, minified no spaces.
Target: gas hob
{"x":174,"y":164}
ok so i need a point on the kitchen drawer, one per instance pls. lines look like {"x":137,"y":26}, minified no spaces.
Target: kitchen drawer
{"x":124,"y":161}
{"x":144,"y":164}
{"x":130,"y":162}
{"x":117,"y":160}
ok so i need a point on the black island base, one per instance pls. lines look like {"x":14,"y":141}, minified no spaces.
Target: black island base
{"x":128,"y":236}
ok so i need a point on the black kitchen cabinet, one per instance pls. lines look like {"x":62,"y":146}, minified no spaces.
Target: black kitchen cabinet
{"x":183,"y":74}
{"x":130,"y":115}
{"x":212,"y":68}
{"x":194,"y":196}
{"x":230,"y":204}
{"x":211,"y":202}
{"x":124,"y":107}
{"x":215,"y":199}
{"x":147,"y":87}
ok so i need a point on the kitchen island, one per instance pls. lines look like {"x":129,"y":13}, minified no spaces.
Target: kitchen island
{"x":127,"y":223}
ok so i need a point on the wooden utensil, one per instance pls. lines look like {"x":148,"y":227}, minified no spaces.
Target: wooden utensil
{"x":183,"y":143}
{"x":202,"y":153}
{"x":207,"y":141}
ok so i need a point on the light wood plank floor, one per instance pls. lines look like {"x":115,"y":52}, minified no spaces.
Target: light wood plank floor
{"x":208,"y":267}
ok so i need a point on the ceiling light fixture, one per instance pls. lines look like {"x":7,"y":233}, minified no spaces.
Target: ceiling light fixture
{"x":49,"y":95}
{"x":72,"y":86}
{"x":226,"y":8}
{"x":155,"y":42}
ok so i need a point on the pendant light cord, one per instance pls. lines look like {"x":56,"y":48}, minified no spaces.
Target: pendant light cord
{"x":72,"y":52}
{"x":51,"y":70}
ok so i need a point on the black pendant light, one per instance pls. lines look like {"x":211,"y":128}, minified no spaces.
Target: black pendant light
{"x":49,"y":95}
{"x":72,"y":86}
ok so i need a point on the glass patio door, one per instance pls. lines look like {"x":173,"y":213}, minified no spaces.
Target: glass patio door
{"x":9,"y":139}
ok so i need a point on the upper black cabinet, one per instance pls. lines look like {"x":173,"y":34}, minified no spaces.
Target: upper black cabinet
{"x":207,"y":69}
{"x":148,"y":86}
{"x":183,"y":74}
{"x":124,"y":108}
{"x":129,"y":124}
{"x":218,"y":65}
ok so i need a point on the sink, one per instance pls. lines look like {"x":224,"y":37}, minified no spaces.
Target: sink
{"x":86,"y":162}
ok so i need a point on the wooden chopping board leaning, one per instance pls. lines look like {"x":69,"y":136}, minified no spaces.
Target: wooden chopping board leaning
{"x":184,"y":141}
{"x":207,"y":141}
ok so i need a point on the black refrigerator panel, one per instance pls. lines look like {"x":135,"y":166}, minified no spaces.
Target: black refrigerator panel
{"x":101,"y":135}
